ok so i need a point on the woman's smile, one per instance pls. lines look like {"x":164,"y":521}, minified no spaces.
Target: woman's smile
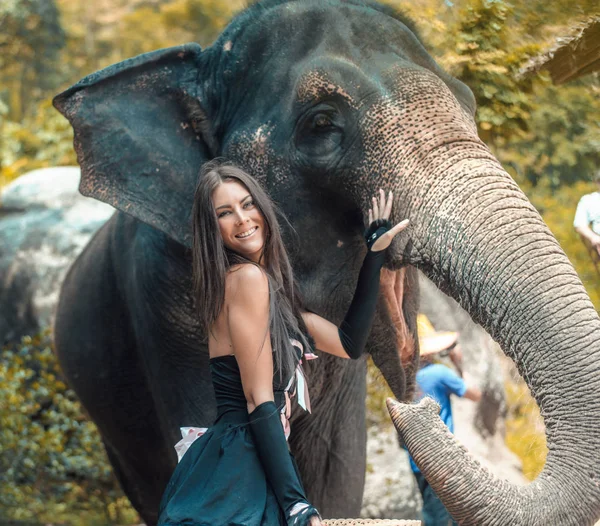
{"x":247,"y":233}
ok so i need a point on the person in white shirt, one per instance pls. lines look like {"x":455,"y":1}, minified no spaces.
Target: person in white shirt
{"x":588,"y":213}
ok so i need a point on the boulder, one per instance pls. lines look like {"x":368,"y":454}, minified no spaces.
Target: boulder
{"x":44,"y":224}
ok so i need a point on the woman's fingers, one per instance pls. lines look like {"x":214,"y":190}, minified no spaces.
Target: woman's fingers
{"x":381,"y":206}
{"x":375,"y":209}
{"x":398,"y":228}
{"x":388,"y":207}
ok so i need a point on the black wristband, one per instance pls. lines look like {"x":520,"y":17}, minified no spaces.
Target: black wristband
{"x":272,"y":449}
{"x":375,"y":230}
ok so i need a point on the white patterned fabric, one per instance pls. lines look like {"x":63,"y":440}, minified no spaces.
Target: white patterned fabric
{"x":190,"y":435}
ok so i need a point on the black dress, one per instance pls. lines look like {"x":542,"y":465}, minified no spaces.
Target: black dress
{"x":220,"y":481}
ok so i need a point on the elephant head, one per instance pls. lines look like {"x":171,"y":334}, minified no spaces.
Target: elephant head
{"x":325,"y":102}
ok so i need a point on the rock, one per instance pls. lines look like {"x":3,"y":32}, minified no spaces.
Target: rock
{"x":390,"y":490}
{"x":44,"y":224}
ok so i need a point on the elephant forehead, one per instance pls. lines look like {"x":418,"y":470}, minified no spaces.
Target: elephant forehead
{"x":421,"y":96}
{"x":417,"y":115}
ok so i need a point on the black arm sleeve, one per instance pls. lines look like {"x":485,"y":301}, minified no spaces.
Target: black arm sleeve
{"x":356,"y":326}
{"x":272,"y":448}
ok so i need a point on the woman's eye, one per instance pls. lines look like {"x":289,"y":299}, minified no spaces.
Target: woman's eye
{"x":223,"y":214}
{"x":249,"y":204}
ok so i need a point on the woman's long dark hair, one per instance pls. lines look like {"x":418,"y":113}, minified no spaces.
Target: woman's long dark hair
{"x":212,"y":260}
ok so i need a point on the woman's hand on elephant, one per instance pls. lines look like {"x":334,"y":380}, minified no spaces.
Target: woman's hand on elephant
{"x":381,"y":211}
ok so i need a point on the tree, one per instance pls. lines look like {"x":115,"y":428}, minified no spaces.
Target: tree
{"x":172,"y":23}
{"x":31,"y":37}
{"x":562,"y":144}
{"x":484,"y":60}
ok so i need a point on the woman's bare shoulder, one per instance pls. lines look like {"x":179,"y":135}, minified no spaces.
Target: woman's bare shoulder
{"x":245,"y":280}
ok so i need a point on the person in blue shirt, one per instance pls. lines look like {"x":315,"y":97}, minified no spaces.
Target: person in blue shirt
{"x":439,"y":382}
{"x":587,"y":217}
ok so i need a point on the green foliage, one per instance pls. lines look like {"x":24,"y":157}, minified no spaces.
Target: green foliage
{"x":202,"y":20}
{"x":172,"y":23}
{"x":31,"y":38}
{"x":562,"y":145}
{"x":541,"y":19}
{"x":43,"y":139}
{"x":483,"y":59}
{"x":52,"y":463}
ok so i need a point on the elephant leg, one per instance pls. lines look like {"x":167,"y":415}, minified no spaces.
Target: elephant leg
{"x":330,"y":444}
{"x":139,"y":476}
{"x":123,"y":473}
{"x":96,"y":348}
{"x":127,"y":420}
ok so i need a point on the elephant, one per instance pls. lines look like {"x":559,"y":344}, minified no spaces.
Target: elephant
{"x":352,"y":103}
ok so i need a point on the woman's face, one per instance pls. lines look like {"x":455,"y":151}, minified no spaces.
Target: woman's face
{"x":241,"y":223}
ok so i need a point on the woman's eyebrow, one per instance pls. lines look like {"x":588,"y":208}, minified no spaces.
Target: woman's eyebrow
{"x":229,"y":206}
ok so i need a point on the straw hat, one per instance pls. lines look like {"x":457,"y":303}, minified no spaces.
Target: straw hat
{"x":432,"y":341}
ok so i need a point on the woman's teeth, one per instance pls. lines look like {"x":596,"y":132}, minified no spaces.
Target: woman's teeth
{"x":247,"y":233}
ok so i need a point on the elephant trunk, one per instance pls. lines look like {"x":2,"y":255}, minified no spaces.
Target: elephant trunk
{"x":479,"y":239}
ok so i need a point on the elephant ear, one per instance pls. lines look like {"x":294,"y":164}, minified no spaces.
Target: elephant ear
{"x":141,"y":136}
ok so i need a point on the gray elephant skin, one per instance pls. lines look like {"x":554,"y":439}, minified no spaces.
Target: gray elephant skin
{"x":324,"y":102}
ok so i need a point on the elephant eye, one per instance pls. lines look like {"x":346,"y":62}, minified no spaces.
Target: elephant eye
{"x":320,"y":132}
{"x":321,"y":121}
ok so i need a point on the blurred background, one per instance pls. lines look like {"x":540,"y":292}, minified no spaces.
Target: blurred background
{"x":540,"y":118}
